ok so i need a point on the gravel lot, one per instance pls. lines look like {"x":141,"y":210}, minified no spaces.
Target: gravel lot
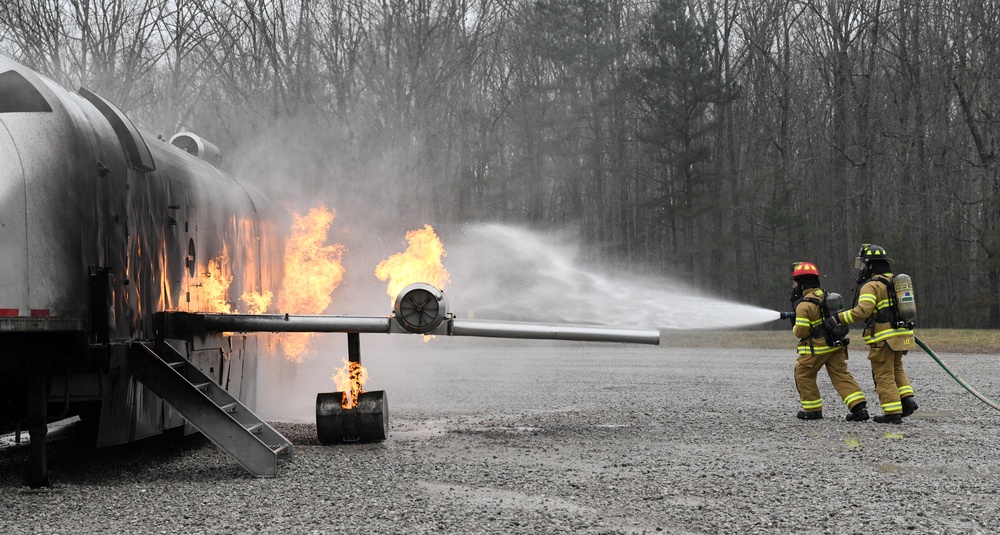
{"x":554,"y":437}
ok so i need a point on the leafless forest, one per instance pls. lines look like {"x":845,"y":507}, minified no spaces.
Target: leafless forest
{"x":717,"y":140}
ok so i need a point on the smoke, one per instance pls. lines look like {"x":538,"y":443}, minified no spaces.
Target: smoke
{"x":374,"y":186}
{"x":497,"y":272}
{"x":500,"y":272}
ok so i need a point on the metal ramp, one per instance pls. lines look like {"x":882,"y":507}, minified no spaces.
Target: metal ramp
{"x":209,"y":408}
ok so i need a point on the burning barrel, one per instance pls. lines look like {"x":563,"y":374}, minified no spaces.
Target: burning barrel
{"x":367,"y":421}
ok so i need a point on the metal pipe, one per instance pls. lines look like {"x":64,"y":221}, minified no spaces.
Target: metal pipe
{"x":285,"y":323}
{"x":354,"y":347}
{"x":374,"y":324}
{"x":535,"y":331}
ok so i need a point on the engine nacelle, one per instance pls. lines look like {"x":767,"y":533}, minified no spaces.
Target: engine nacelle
{"x":198,"y":146}
{"x":420,"y":308}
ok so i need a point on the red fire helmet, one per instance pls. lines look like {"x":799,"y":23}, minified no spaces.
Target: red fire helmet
{"x":804,"y":268}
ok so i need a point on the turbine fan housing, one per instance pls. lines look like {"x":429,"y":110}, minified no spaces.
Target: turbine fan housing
{"x":420,"y":308}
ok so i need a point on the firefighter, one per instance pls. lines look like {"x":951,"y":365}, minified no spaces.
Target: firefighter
{"x":887,"y":337}
{"x":818,"y":347}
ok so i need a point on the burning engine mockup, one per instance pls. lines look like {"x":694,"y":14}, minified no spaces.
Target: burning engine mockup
{"x":110,"y":231}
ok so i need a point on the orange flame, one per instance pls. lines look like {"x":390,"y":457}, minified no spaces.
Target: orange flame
{"x":166,"y":299}
{"x":349,"y":380}
{"x":421,"y":262}
{"x":215,"y":282}
{"x":256,"y":303}
{"x":215,"y":285}
{"x":312,"y":272}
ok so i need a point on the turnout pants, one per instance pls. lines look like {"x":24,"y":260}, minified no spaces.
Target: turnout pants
{"x":807,"y":367}
{"x":891,"y":382}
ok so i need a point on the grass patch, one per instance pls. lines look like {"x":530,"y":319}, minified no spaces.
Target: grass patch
{"x":939,"y":340}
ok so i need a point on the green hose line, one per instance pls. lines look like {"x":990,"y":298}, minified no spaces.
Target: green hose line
{"x":954,"y":376}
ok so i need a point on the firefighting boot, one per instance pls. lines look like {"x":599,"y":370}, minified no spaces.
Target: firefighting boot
{"x":889,"y":419}
{"x":909,"y":405}
{"x":859,"y":412}
{"x":812,"y":415}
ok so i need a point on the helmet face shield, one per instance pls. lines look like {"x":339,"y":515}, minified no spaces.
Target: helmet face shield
{"x":859,"y":261}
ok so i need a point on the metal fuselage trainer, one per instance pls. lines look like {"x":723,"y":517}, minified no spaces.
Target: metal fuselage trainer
{"x":104,"y":233}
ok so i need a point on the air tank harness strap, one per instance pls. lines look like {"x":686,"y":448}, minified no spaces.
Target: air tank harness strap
{"x":954,"y":376}
{"x":887,"y":314}
{"x":812,"y":332}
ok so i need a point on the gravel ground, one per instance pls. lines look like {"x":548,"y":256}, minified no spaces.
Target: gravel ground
{"x":562,"y":438}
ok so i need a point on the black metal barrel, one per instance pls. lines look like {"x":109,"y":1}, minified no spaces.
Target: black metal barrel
{"x":368,"y":421}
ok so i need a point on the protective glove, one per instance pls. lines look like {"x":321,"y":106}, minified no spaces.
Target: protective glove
{"x":837,"y":329}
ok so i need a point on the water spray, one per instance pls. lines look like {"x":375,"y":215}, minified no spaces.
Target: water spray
{"x":550,"y":274}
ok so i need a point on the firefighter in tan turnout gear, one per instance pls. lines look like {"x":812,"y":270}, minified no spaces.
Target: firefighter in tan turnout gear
{"x":819,"y":347}
{"x":888,"y":337}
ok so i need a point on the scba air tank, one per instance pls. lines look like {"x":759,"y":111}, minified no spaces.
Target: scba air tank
{"x":905,"y":304}
{"x":834,"y":303}
{"x":838,"y":332}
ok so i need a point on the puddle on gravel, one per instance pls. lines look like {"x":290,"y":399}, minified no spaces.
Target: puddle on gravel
{"x":502,"y":503}
{"x":508,"y":430}
{"x":528,"y":429}
{"x":431,"y":428}
{"x":855,"y":442}
{"x":419,"y":431}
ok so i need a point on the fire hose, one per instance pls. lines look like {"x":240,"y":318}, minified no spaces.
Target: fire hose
{"x":955,"y":376}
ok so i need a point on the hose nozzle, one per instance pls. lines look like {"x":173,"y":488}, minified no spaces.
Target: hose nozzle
{"x":787,"y":315}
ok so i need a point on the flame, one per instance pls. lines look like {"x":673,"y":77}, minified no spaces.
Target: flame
{"x":215,"y":282}
{"x":215,"y":285}
{"x":312,"y":272}
{"x":165,"y":301}
{"x":421,"y":262}
{"x":256,"y":303}
{"x":349,"y":380}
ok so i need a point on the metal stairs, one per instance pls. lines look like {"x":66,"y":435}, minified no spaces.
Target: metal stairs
{"x":209,"y":408}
